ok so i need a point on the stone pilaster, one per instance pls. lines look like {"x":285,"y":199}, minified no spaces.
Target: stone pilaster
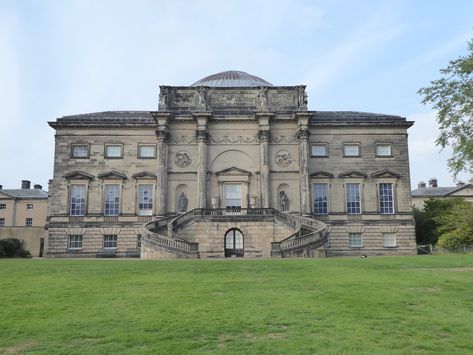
{"x":263,"y":138}
{"x":202,"y":136}
{"x":303,"y":134}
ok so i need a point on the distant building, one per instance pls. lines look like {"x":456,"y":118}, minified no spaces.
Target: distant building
{"x":230,"y":166}
{"x":23,"y":215}
{"x":433,"y":191}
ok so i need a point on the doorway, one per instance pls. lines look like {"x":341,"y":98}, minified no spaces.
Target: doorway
{"x":234,"y":244}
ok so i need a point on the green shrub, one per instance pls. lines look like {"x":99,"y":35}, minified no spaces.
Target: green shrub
{"x":11,"y":248}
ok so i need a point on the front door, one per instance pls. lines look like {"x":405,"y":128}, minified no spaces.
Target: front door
{"x":233,"y":197}
{"x":234,"y":244}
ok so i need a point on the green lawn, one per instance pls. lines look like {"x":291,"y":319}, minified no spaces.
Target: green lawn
{"x":392,"y":305}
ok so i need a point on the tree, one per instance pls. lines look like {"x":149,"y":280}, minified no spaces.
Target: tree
{"x":452,"y":97}
{"x":456,"y":226}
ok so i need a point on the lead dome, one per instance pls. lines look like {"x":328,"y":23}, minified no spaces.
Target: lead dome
{"x":232,"y":78}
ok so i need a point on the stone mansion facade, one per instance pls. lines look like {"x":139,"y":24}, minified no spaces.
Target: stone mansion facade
{"x":230,"y":166}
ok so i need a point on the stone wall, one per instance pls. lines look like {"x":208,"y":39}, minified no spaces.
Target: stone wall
{"x":31,"y":237}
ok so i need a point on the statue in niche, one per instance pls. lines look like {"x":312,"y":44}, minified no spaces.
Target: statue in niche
{"x":283,"y":201}
{"x":262,"y":95}
{"x":182,"y":203}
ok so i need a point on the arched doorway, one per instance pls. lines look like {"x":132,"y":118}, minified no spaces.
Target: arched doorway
{"x":234,"y":243}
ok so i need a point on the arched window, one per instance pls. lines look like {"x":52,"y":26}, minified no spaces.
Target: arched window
{"x":234,"y":243}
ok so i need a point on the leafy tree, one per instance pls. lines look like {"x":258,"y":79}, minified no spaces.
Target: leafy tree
{"x":452,"y":97}
{"x":427,"y":225}
{"x":456,"y":226}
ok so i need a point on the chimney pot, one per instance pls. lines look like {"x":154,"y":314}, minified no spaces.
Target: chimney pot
{"x":38,"y":187}
{"x":433,"y":182}
{"x":421,"y":184}
{"x":25,"y":184}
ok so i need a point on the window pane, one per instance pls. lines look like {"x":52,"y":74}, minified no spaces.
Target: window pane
{"x":80,"y":151}
{"x":114,"y":151}
{"x":320,"y":196}
{"x":386,"y":201}
{"x":112,"y":200}
{"x":29,"y":222}
{"x":2,"y":222}
{"x":353,"y":199}
{"x":351,"y":150}
{"x":145,"y":200}
{"x":389,"y":240}
{"x":147,"y":151}
{"x":319,"y":150}
{"x":77,"y":203}
{"x":75,"y":242}
{"x":383,"y":150}
{"x":110,"y":241}
{"x":355,"y":240}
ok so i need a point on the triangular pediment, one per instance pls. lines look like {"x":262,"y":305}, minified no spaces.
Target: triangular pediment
{"x":462,"y":191}
{"x":78,"y":175}
{"x":322,"y":174}
{"x":352,"y":174}
{"x":233,"y":171}
{"x":113,"y":175}
{"x":385,"y":174}
{"x":144,"y":175}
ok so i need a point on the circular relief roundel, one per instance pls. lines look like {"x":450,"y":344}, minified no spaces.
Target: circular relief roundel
{"x":182,"y":159}
{"x":283,"y":158}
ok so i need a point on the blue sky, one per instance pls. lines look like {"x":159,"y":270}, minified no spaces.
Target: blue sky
{"x":68,"y":57}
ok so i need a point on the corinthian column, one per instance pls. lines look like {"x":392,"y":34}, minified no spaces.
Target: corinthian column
{"x":202,"y":136}
{"x":303,"y":134}
{"x":162,"y":173}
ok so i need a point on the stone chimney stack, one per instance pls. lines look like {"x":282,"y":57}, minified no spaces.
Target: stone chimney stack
{"x":421,"y":184}
{"x":25,"y":184}
{"x":38,"y":187}
{"x":433,"y":182}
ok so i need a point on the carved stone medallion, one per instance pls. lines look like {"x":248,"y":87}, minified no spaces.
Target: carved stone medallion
{"x":283,"y":158}
{"x":182,"y":159}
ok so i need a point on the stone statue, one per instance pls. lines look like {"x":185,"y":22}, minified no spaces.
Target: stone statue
{"x":262,"y":95}
{"x":283,"y":201}
{"x":163,"y":98}
{"x":302,"y":99}
{"x":182,"y":203}
{"x":202,"y":99}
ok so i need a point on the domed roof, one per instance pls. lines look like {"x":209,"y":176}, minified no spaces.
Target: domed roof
{"x":232,"y":78}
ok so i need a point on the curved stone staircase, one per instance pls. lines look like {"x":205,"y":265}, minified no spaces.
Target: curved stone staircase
{"x":161,"y":237}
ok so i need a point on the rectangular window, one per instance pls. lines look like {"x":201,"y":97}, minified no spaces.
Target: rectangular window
{"x":3,"y":206}
{"x":389,"y":240}
{"x":29,"y":206}
{"x":320,"y":196}
{"x":319,"y":150}
{"x":29,"y":222}
{"x":109,"y":241}
{"x":383,"y":150}
{"x":2,"y":222}
{"x":353,"y":198}
{"x":386,"y":200}
{"x":75,"y":242}
{"x":351,"y":150}
{"x":138,"y":241}
{"x":355,"y":240}
{"x":77,"y":202}
{"x":146,"y":151}
{"x":145,"y":200}
{"x":112,"y":200}
{"x":80,"y":151}
{"x":113,"y":151}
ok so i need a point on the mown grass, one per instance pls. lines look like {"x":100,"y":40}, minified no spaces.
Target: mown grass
{"x":374,"y":305}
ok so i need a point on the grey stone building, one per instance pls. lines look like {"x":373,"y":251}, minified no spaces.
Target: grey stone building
{"x":230,"y":166}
